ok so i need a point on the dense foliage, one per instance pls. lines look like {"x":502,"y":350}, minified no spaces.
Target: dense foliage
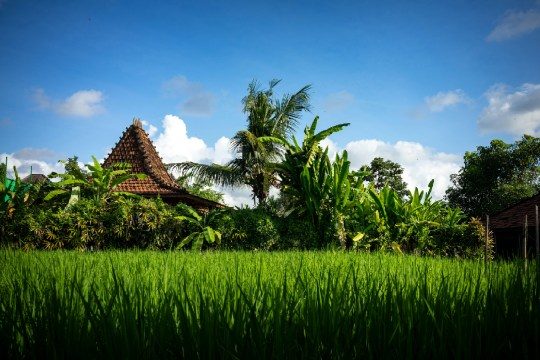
{"x":327,"y":206}
{"x":496,"y":176}
{"x":383,"y":173}
{"x":264,"y":305}
{"x":322,"y":202}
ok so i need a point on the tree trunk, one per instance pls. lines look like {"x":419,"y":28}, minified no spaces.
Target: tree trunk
{"x":339,"y":226}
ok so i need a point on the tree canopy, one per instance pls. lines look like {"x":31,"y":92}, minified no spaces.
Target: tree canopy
{"x":383,"y":173}
{"x":496,"y":176}
{"x":267,"y":116}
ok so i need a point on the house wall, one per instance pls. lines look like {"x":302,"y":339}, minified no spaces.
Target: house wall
{"x":509,"y":242}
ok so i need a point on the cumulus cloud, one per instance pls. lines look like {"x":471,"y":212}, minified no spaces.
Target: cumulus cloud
{"x":514,"y":24}
{"x":40,"y":161}
{"x":150,"y":129}
{"x":36,"y":154}
{"x":174,"y":144}
{"x":514,"y":112}
{"x":421,"y":164}
{"x":83,"y":103}
{"x":338,"y":101}
{"x":443,"y":100}
{"x":196,"y":101}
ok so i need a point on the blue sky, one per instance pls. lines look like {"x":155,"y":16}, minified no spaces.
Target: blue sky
{"x":420,"y":83}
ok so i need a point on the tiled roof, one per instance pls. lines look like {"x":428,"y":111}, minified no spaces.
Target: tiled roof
{"x":136,"y":148}
{"x":514,"y":216}
{"x":35,"y":179}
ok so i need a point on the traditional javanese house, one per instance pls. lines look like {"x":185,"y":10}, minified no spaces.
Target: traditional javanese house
{"x":508,"y":227}
{"x":136,"y":148}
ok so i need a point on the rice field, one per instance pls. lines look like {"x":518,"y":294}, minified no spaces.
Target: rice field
{"x":258,"y":305}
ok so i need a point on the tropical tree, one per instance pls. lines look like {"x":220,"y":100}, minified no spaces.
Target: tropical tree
{"x":203,"y":232}
{"x":296,"y":157}
{"x":324,"y":193}
{"x":496,"y":176}
{"x":99,"y":182}
{"x":383,"y":173}
{"x":266,"y":117}
{"x":199,"y":188}
{"x":16,"y":202}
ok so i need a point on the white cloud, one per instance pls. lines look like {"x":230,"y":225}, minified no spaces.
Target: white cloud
{"x":516,"y":112}
{"x":420,"y":164}
{"x":514,"y":24}
{"x":332,"y":147}
{"x":32,"y":159}
{"x":36,"y":154}
{"x":338,"y":101}
{"x":151,"y":129}
{"x":237,"y":196}
{"x":442,"y":100}
{"x":196,"y":101}
{"x":175,"y":145}
{"x":83,"y":103}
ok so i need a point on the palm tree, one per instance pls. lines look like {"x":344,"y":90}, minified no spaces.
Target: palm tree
{"x":266,"y":117}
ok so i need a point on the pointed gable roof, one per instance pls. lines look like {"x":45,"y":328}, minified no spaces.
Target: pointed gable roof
{"x":136,"y":148}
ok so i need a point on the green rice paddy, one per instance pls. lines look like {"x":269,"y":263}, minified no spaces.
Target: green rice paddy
{"x":252,"y":305}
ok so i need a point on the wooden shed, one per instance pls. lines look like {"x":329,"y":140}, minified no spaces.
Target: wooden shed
{"x":508,"y":227}
{"x":136,"y":148}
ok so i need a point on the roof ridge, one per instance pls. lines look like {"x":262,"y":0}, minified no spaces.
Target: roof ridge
{"x":137,"y":148}
{"x":170,"y":183}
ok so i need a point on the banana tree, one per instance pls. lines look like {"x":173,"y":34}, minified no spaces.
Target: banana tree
{"x":204,"y":233}
{"x":407,"y":221}
{"x":99,"y":182}
{"x":296,"y":156}
{"x":340,"y":189}
{"x":16,"y":197}
{"x":326,"y":191}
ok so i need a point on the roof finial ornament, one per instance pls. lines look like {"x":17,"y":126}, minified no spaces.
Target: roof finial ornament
{"x":137,"y":122}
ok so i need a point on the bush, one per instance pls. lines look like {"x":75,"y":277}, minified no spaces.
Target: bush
{"x":248,"y":229}
{"x":465,"y":240}
{"x":94,"y":224}
{"x":296,"y":233}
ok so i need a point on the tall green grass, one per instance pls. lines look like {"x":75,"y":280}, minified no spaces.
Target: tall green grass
{"x":264,"y":305}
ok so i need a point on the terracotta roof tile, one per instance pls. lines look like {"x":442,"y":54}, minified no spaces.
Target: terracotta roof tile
{"x":35,"y":179}
{"x":136,"y":148}
{"x":514,"y":216}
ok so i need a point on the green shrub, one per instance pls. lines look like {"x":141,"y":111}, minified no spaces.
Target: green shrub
{"x":95,"y":224}
{"x":296,"y":233}
{"x":466,"y":240}
{"x":248,"y":229}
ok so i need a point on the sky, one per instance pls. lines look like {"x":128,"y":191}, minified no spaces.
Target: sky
{"x":420,"y":83}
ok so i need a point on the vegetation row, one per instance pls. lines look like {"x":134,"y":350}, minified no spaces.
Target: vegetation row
{"x":322,"y":203}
